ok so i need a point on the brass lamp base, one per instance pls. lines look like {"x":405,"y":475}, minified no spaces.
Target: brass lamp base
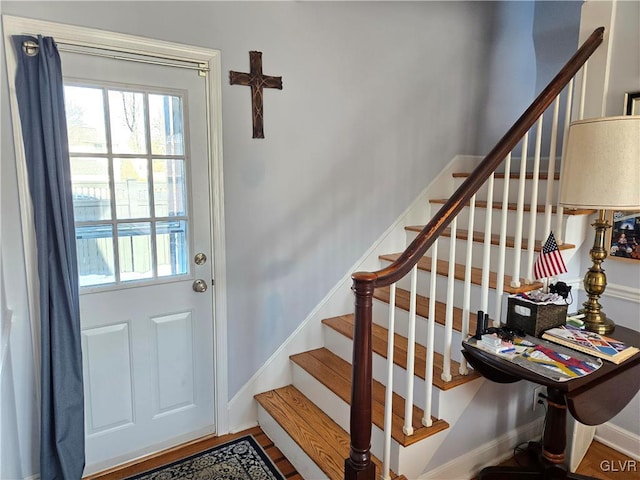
{"x":600,"y":323}
{"x":595,"y":281}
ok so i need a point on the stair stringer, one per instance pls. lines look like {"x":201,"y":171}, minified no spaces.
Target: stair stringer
{"x":276,"y":371}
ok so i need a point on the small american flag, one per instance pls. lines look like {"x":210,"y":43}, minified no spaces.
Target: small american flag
{"x":549,"y":262}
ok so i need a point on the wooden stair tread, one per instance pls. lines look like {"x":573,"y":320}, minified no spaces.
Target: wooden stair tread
{"x":344,"y":325}
{"x":527,"y":207}
{"x":478,"y":237}
{"x":422,"y":307}
{"x":512,"y":176}
{"x":335,"y":374}
{"x":442,"y":268}
{"x":313,"y":430}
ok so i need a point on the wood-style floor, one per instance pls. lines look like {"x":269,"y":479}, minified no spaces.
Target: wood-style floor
{"x":185,"y":450}
{"x":600,"y":461}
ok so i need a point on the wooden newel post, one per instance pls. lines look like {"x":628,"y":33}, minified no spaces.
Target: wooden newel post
{"x":359,"y":465}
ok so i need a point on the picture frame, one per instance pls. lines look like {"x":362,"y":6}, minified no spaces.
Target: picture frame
{"x":632,"y":103}
{"x":623,"y":239}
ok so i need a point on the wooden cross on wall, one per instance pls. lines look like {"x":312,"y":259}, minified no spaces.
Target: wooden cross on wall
{"x":257,"y":81}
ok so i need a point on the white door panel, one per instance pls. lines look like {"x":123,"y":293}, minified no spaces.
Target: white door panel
{"x":147,"y":336}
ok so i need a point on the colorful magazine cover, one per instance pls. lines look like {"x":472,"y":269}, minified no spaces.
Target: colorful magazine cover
{"x":589,"y":342}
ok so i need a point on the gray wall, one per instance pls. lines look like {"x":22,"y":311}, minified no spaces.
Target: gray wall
{"x":373,"y":92}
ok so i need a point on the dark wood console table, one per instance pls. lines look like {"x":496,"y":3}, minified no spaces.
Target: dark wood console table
{"x":592,"y":400}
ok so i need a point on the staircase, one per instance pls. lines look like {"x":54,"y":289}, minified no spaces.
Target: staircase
{"x":392,"y":373}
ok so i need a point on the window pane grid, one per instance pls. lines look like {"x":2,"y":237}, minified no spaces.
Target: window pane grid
{"x":122,"y":235}
{"x":150,"y":186}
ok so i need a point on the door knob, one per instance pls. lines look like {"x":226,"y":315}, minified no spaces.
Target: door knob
{"x":199,"y":286}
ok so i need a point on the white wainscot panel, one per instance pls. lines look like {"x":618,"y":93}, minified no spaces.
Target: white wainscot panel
{"x":175,"y":362}
{"x":107,"y":366}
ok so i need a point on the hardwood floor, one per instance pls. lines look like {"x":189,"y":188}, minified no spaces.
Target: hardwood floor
{"x":176,"y":453}
{"x":600,"y":461}
{"x":607,"y":464}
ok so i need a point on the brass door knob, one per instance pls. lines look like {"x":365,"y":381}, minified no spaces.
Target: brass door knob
{"x":200,"y":259}
{"x":200,"y":286}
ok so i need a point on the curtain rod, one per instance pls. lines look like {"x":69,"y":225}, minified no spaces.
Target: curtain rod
{"x":31,"y":48}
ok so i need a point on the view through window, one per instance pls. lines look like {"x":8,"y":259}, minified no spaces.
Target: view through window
{"x":128,"y":168}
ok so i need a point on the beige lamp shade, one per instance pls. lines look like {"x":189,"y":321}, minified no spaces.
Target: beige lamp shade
{"x":601,"y":168}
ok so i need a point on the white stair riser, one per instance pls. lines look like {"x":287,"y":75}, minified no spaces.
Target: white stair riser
{"x":447,"y":405}
{"x":298,"y":458}
{"x":381,"y":317}
{"x":496,"y":222}
{"x":342,"y":347}
{"x":498,"y":189}
{"x":424,"y":279}
{"x":337,"y":409}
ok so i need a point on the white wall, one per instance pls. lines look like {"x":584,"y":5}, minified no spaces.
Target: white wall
{"x":372,"y":92}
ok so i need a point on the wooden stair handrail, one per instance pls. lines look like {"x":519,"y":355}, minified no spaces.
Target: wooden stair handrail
{"x":358,"y":465}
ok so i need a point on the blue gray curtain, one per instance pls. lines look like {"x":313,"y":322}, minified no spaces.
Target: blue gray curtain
{"x":41,"y":103}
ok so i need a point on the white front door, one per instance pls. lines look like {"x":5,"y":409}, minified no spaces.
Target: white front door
{"x":139,"y":162}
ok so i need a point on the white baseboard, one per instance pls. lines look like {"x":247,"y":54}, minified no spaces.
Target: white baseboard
{"x":619,"y":439}
{"x":491,"y":453}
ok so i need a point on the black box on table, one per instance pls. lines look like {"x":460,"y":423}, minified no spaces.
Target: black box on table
{"x":534,"y":318}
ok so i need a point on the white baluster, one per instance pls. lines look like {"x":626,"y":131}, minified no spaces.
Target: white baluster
{"x":411,"y":354}
{"x":448,"y":323}
{"x":428,"y":374}
{"x":466,"y":301}
{"x":533,"y":215}
{"x":502,"y":250}
{"x":583,"y":90}
{"x":517,"y":247}
{"x":559,"y":232}
{"x":388,"y":401}
{"x":551,"y":171}
{"x":486,"y":253}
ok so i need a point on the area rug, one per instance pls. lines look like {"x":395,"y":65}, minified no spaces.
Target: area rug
{"x":239,"y":459}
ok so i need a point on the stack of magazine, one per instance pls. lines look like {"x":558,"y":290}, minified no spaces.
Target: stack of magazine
{"x":544,"y":358}
{"x":590,"y":343}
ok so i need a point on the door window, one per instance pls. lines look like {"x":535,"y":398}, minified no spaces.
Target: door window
{"x":128,"y":169}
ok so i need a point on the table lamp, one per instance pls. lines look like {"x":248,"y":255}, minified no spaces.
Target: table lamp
{"x":601,"y":170}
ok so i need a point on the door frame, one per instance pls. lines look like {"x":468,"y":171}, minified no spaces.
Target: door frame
{"x":207,"y":61}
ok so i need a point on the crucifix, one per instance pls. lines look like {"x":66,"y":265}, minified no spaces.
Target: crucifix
{"x":257,"y":81}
